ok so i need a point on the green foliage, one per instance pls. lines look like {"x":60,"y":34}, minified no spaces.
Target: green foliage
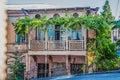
{"x":101,"y":46}
{"x":107,"y":12}
{"x":22,"y":26}
{"x":103,"y":49}
{"x":16,"y":67}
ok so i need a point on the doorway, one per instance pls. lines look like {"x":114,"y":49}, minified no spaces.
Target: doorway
{"x":43,"y":70}
{"x":76,"y":68}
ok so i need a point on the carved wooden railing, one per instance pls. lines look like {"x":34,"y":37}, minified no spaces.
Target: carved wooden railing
{"x":76,"y":45}
{"x":37,"y":45}
{"x":56,"y":45}
{"x":15,"y":47}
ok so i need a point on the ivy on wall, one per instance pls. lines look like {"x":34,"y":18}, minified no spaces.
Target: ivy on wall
{"x":101,"y":46}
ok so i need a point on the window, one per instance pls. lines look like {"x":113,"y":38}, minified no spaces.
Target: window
{"x":75,"y":35}
{"x":51,"y":33}
{"x":20,"y":39}
{"x":37,"y":16}
{"x":75,"y":15}
{"x":40,"y":35}
{"x":56,"y":15}
{"x":55,"y":33}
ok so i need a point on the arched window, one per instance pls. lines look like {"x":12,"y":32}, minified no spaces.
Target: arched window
{"x":37,"y":16}
{"x":75,"y":34}
{"x":75,"y":15}
{"x":56,"y":15}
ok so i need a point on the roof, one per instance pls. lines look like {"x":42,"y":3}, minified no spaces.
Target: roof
{"x":38,"y":6}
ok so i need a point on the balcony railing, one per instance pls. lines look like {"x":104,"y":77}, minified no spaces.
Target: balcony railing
{"x":16,"y":48}
{"x":37,"y":45}
{"x":71,"y":45}
{"x":76,"y":45}
{"x":56,"y":45}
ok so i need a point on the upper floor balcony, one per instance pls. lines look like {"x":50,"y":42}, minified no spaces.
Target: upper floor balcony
{"x":57,"y":45}
{"x":58,"y":40}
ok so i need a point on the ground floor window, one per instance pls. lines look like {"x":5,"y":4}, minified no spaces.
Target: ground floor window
{"x":59,"y":69}
{"x":43,"y":70}
{"x":76,"y":68}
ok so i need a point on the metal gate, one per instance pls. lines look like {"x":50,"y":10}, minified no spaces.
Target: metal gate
{"x":76,"y":68}
{"x":43,"y":70}
{"x":59,"y":69}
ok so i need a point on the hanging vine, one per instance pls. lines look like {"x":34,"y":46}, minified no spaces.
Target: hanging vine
{"x":103,"y":49}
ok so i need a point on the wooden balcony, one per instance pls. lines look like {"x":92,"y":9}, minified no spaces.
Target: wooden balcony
{"x":76,"y":45}
{"x":37,"y":45}
{"x":57,"y":45}
{"x":16,"y":48}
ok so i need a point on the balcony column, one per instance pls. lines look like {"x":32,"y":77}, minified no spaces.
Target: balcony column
{"x":66,"y":39}
{"x":28,"y":41}
{"x":27,"y":63}
{"x":46,"y":39}
{"x":84,"y":42}
{"x":28,"y":66}
{"x":45,"y":65}
{"x":67,"y":65}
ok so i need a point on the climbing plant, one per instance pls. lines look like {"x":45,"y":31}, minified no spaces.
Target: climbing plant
{"x":100,"y":46}
{"x":16,"y":67}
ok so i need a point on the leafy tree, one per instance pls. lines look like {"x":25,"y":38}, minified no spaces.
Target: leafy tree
{"x":107,"y":14}
{"x":16,"y":67}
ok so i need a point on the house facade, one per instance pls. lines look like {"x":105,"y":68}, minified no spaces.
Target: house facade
{"x":53,"y":52}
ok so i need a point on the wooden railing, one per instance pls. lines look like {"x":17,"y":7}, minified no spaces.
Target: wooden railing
{"x":56,"y":45}
{"x":72,"y":45}
{"x":15,"y":47}
{"x":37,"y":45}
{"x":76,"y":45}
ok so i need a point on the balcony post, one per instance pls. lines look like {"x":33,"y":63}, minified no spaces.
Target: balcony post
{"x":66,"y":39}
{"x":27,"y":63}
{"x":67,"y":65}
{"x":46,"y":39}
{"x":29,"y":41}
{"x":84,"y":42}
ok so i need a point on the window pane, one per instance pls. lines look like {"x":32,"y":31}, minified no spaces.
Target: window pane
{"x":40,"y":34}
{"x":20,"y":39}
{"x":51,"y":33}
{"x":74,"y":35}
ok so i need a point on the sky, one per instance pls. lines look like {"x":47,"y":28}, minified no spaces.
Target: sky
{"x":74,"y":3}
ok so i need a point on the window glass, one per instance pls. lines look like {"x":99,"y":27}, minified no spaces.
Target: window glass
{"x":75,"y":15}
{"x":75,"y":35}
{"x":51,"y":33}
{"x":40,"y":34}
{"x":20,"y":39}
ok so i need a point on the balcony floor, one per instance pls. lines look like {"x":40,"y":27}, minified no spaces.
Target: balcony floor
{"x":82,"y":53}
